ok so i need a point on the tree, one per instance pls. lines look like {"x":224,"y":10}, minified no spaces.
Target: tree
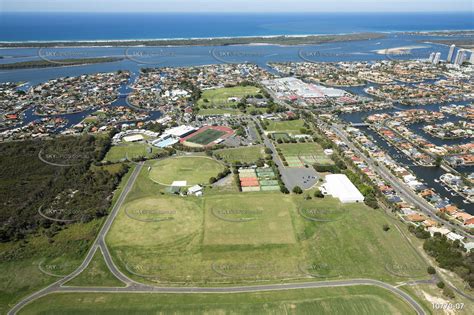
{"x":297,"y":190}
{"x":371,"y":201}
{"x":284,"y":190}
{"x":440,"y":285}
{"x":318,"y":194}
{"x":431,"y":270}
{"x":212,"y":180}
{"x":386,"y":227}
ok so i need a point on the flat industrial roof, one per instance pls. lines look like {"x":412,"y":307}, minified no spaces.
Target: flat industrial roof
{"x":179,"y":183}
{"x":132,"y":138}
{"x":340,"y":186}
{"x":180,"y":130}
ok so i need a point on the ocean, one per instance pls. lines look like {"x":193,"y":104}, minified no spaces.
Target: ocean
{"x":126,"y":26}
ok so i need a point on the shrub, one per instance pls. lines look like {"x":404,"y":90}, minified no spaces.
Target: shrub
{"x":297,"y":190}
{"x":431,"y":270}
{"x":318,"y":194}
{"x":284,"y":190}
{"x":448,"y":292}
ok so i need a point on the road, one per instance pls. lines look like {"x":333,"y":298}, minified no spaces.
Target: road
{"x":305,"y":178}
{"x":401,"y":188}
{"x":237,"y":289}
{"x":99,"y":243}
{"x":408,"y":194}
{"x":135,"y":287}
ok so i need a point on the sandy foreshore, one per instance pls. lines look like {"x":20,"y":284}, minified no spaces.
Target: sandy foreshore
{"x":398,"y":50}
{"x":205,"y":41}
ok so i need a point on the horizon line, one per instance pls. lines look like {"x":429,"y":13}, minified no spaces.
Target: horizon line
{"x":242,"y":12}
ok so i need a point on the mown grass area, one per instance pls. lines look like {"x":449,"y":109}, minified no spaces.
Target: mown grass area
{"x":227,"y":237}
{"x":130,"y":150}
{"x":218,"y":102}
{"x":206,"y":137}
{"x":242,"y":220}
{"x":289,"y":126}
{"x":347,"y":300}
{"x":219,"y":98}
{"x":241,"y":154}
{"x":175,"y":218}
{"x":309,"y":152}
{"x":96,"y":274}
{"x":31,"y":264}
{"x":194,"y":170}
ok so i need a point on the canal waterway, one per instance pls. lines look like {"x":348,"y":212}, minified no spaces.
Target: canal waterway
{"x":135,"y":58}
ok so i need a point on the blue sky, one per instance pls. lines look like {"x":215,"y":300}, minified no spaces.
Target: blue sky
{"x":237,"y":5}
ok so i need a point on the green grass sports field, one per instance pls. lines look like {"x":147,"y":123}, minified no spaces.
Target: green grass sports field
{"x":221,"y":100}
{"x":130,"y":150}
{"x":194,"y":170}
{"x":226,"y":237}
{"x":241,"y":154}
{"x":298,"y":154}
{"x":206,"y":137}
{"x":288,"y":126}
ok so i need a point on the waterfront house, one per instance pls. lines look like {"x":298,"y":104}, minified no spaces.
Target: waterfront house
{"x":450,"y":210}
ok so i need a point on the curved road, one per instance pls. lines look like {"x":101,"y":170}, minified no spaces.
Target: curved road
{"x":98,"y":243}
{"x":136,"y":287}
